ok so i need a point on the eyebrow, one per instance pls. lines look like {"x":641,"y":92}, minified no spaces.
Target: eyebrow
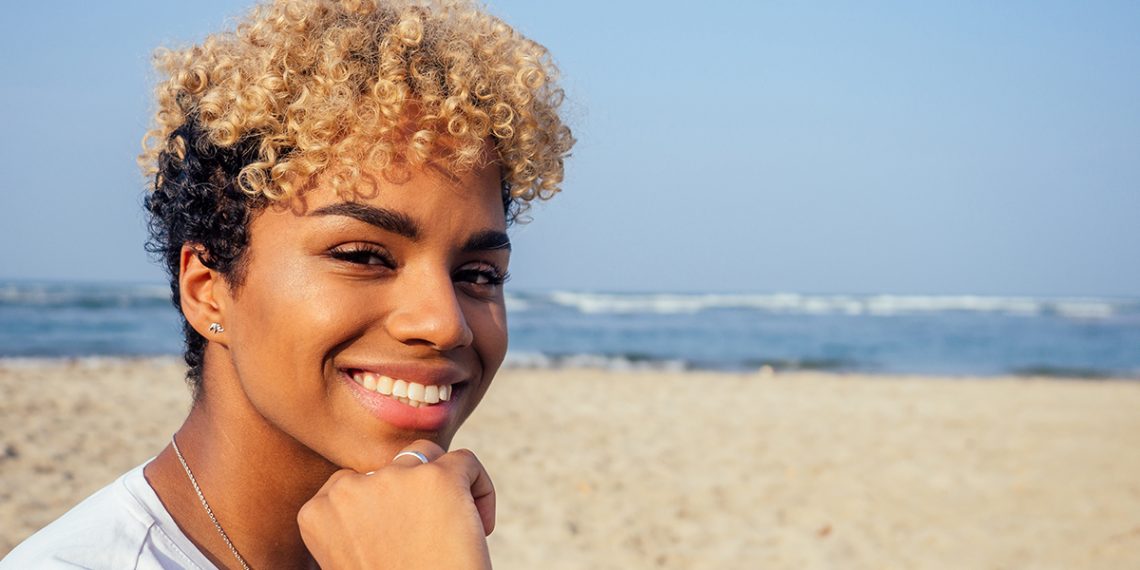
{"x":487,"y":240}
{"x":388,"y":220}
{"x":403,"y":225}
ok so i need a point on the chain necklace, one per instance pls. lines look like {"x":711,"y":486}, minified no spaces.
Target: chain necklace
{"x":206,"y":505}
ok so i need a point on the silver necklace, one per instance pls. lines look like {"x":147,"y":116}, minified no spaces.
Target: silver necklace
{"x":206,"y":505}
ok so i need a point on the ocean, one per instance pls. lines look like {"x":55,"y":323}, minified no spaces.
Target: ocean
{"x":894,"y":334}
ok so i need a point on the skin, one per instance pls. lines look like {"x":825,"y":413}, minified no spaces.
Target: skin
{"x":342,"y":531}
{"x":280,"y":430}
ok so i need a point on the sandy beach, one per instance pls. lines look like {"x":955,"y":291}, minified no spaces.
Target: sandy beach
{"x":691,"y":470}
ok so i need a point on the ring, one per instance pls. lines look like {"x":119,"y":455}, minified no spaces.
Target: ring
{"x":423,"y":458}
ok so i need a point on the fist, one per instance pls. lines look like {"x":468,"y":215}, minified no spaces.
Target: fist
{"x":406,"y":515}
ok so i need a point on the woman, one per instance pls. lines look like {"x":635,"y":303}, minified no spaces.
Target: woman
{"x":333,"y":182}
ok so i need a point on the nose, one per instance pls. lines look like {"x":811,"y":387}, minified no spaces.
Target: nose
{"x":428,"y":312}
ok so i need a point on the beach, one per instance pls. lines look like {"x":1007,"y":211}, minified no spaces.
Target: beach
{"x":651,"y":469}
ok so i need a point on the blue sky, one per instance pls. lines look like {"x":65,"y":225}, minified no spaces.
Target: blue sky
{"x":967,"y":147}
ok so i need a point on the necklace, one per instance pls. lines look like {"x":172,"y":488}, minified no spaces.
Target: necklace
{"x":206,"y":505}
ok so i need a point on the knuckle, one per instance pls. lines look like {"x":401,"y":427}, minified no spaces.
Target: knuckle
{"x":426,"y":446}
{"x":435,"y":475}
{"x":306,"y":517}
{"x":465,"y":453}
{"x":464,"y":457}
{"x":340,"y":490}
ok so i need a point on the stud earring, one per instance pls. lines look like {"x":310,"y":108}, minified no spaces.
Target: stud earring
{"x":216,"y":328}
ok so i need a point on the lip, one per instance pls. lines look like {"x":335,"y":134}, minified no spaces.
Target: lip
{"x":403,"y":416}
{"x":411,"y":372}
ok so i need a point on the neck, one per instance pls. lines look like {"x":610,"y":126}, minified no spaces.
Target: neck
{"x":254,"y":477}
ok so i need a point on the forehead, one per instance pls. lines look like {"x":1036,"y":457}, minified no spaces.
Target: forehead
{"x":424,"y":193}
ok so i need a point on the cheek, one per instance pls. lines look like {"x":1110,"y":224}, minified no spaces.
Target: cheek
{"x":291,"y":319}
{"x":488,"y":322}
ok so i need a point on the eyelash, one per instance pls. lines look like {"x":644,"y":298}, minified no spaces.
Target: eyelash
{"x":492,"y":274}
{"x":362,"y":254}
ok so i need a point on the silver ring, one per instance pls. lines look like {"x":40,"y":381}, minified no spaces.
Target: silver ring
{"x":423,"y":458}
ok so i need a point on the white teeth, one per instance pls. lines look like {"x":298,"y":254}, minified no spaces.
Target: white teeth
{"x":416,"y":391}
{"x":411,"y":393}
{"x":384,"y":385}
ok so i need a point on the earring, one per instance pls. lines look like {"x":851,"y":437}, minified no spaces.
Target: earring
{"x":217,"y":328}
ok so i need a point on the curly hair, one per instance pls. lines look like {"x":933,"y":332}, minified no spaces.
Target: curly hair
{"x":330,"y":88}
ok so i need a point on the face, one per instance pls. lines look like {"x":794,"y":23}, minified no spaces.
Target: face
{"x":399,"y":291}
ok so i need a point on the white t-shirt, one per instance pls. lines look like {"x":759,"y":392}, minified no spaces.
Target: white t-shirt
{"x":123,"y":525}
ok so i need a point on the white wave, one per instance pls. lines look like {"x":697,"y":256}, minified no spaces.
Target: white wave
{"x":898,"y":304}
{"x":1084,"y":309}
{"x":539,"y":361}
{"x":515,"y":359}
{"x":594,"y":303}
{"x":515,"y":303}
{"x":69,"y":294}
{"x":85,"y":362}
{"x":794,"y":303}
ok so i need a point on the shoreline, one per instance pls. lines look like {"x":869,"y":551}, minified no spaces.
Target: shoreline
{"x":650,"y":367}
{"x":690,"y":469}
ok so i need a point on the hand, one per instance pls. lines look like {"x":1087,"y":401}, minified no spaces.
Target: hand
{"x":406,"y":515}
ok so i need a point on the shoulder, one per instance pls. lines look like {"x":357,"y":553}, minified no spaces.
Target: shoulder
{"x":123,"y":525}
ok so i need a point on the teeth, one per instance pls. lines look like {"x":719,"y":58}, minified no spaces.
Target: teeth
{"x":412,"y":403}
{"x":410,"y":393}
{"x":416,"y":392}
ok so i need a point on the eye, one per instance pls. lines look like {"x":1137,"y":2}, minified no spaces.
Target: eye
{"x":363,"y":254}
{"x":482,"y":276}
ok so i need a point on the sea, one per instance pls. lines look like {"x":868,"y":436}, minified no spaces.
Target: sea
{"x":957,"y":335}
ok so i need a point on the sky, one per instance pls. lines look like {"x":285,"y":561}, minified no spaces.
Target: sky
{"x":817,"y":147}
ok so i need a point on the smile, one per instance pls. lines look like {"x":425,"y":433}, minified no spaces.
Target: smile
{"x":412,"y":394}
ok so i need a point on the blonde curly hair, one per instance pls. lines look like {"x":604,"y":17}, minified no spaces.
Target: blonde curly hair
{"x":332,"y":88}
{"x":336,"y":86}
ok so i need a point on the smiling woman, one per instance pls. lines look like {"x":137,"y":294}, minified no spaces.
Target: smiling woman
{"x":333,"y":182}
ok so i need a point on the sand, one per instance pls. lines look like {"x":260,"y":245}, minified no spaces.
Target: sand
{"x":691,"y":470}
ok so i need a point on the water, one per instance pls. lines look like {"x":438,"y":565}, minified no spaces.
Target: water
{"x":954,"y":335}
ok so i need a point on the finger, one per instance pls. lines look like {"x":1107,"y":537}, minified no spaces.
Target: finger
{"x":337,"y":476}
{"x":483,"y":491}
{"x":428,"y":449}
{"x":479,"y":481}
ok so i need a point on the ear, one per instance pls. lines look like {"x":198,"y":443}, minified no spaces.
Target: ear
{"x":204,"y":295}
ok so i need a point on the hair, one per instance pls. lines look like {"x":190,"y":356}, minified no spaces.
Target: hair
{"x":331,"y":88}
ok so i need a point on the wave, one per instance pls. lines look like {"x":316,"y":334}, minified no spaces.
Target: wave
{"x":83,"y":296}
{"x":821,"y":364}
{"x":107,"y":296}
{"x":626,"y":362}
{"x":1050,"y":371}
{"x":615,"y":362}
{"x":853,"y":305}
{"x":516,"y":303}
{"x":634,"y":361}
